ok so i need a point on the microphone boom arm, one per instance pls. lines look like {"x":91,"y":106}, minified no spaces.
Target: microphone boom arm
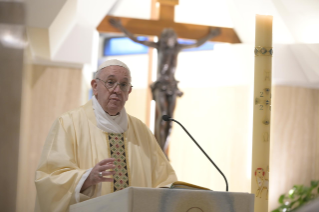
{"x":168,"y":118}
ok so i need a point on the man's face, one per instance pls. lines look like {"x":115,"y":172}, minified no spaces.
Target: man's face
{"x":112,"y":100}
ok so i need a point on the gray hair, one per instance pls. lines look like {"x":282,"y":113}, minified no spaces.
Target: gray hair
{"x":113,"y":62}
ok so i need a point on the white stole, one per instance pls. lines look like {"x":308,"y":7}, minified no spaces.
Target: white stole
{"x":107,"y":123}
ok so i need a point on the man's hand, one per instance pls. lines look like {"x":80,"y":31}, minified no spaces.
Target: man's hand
{"x":94,"y":177}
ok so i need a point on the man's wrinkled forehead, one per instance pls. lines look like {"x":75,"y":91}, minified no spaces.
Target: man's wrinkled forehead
{"x":111,"y":73}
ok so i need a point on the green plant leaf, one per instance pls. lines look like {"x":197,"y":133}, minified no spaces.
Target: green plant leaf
{"x":297,"y":196}
{"x":281,"y":199}
{"x":299,"y":189}
{"x":314,"y":183}
{"x":305,"y":190}
{"x":291,"y":193}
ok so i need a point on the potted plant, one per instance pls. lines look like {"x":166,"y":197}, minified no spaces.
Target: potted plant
{"x":298,"y":196}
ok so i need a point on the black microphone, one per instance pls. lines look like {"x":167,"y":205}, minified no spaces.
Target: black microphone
{"x":167,"y":118}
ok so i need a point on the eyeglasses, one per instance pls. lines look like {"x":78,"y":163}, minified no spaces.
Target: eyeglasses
{"x":111,"y":84}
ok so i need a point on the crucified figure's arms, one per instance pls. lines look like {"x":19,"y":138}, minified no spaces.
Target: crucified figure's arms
{"x":117,"y":24}
{"x":213,"y":32}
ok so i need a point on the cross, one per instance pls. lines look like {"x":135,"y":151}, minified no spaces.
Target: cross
{"x":166,"y":20}
{"x":165,"y":98}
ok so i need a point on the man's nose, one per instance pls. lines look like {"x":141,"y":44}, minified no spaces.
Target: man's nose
{"x":117,"y":88}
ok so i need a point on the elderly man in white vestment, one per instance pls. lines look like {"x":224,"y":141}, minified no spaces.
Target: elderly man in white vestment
{"x":98,"y":148}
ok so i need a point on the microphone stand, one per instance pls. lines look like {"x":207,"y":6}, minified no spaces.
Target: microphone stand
{"x":167,"y":118}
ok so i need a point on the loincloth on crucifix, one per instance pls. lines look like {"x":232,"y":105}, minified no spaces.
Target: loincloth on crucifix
{"x":167,"y":87}
{"x":164,"y":93}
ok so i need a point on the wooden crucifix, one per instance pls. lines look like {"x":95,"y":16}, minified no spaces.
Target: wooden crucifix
{"x":165,"y":90}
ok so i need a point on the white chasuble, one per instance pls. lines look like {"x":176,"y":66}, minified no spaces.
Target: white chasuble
{"x":75,"y":144}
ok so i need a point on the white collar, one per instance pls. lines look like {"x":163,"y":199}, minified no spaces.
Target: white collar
{"x":107,"y":123}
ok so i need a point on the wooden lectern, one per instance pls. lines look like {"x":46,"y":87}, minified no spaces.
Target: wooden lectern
{"x":134,"y":199}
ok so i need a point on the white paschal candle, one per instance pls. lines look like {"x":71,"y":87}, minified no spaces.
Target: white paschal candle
{"x":261,"y":116}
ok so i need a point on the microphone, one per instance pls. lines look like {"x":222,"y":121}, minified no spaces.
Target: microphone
{"x":168,"y":118}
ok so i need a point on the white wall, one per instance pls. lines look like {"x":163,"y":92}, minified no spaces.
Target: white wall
{"x":217,"y":110}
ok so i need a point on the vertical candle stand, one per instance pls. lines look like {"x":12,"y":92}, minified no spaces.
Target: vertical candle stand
{"x":261,"y":116}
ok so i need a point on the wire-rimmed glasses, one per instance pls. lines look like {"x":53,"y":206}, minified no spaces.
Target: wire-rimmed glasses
{"x":111,"y":84}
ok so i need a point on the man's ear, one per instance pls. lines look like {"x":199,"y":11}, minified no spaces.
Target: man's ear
{"x":94,"y":86}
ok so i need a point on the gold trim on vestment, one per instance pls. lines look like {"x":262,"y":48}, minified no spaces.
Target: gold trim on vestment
{"x":127,"y":159}
{"x":109,"y":156}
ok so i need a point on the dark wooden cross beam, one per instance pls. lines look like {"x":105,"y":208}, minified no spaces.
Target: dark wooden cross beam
{"x":166,"y":20}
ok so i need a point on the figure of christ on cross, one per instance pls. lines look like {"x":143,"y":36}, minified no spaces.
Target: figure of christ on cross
{"x":165,"y":89}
